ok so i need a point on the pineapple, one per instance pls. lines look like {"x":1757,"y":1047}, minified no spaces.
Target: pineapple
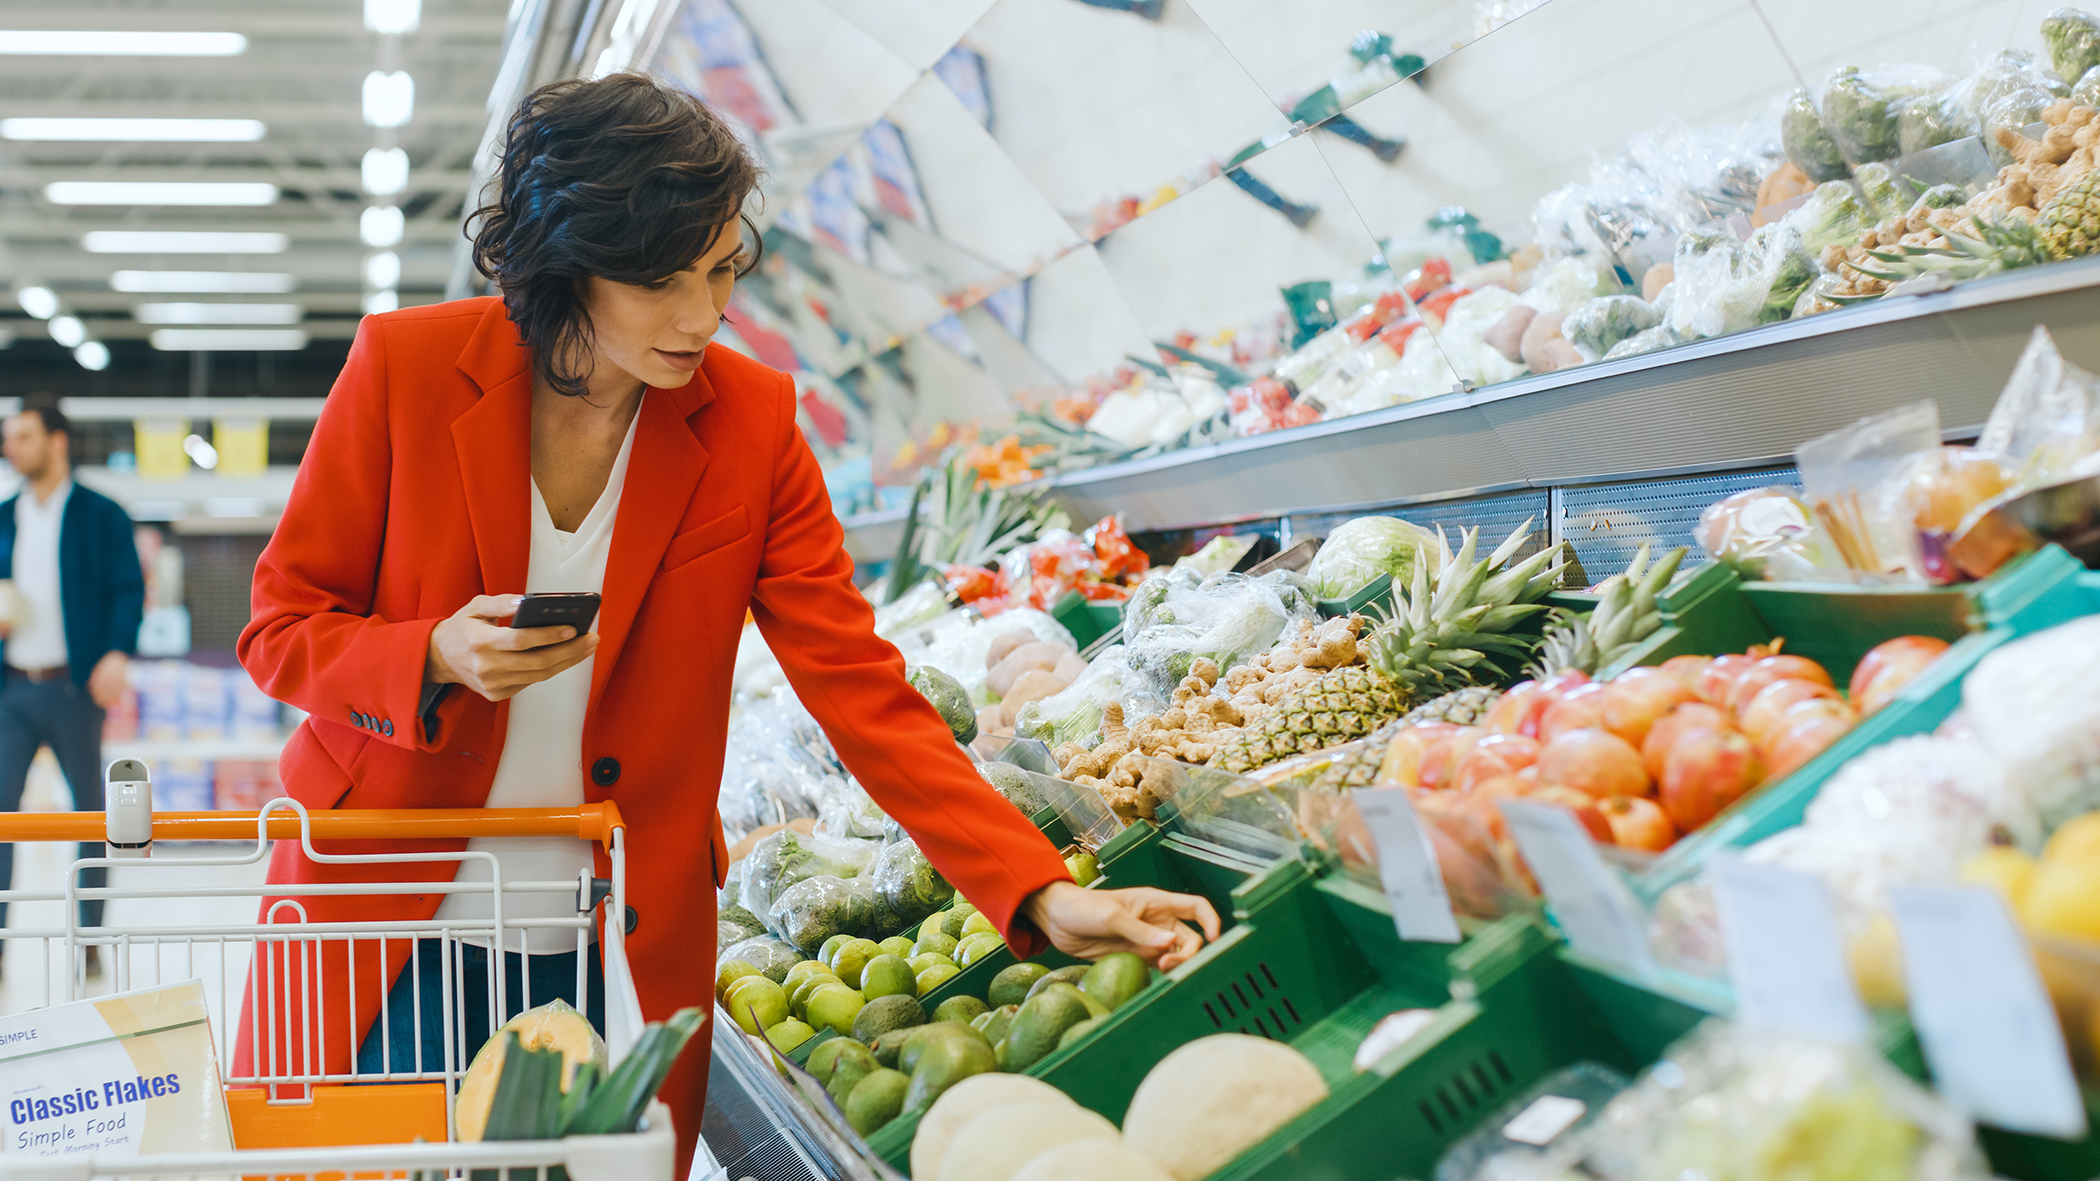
{"x":1457,"y":613}
{"x":1626,"y":614}
{"x":1359,"y":768}
{"x":2000,"y":246}
{"x":1465,"y":707}
{"x":2070,"y":223}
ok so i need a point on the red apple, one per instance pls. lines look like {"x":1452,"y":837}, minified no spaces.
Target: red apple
{"x":1638,"y":823}
{"x":1597,"y":763}
{"x":1720,"y":676}
{"x":1707,"y":770}
{"x":1887,"y":667}
{"x":1804,"y":740}
{"x":1584,"y":807}
{"x":1687,"y":669}
{"x":1656,"y":747}
{"x":1762,"y":712}
{"x":1633,"y":704}
{"x":1771,"y":669}
{"x":1509,"y":713}
{"x":1440,"y":762}
{"x":1496,"y":755}
{"x":1580,"y":708}
{"x":1404,"y":755}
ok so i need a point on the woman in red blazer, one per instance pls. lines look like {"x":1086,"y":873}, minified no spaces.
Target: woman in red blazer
{"x":458,"y":430}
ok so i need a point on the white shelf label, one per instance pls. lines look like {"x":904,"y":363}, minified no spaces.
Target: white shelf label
{"x":1784,"y":952}
{"x":1981,"y":1013}
{"x":1543,"y":1122}
{"x":1593,"y":906}
{"x":1407,"y":866}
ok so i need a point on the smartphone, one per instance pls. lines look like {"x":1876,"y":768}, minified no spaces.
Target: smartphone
{"x":558,"y":609}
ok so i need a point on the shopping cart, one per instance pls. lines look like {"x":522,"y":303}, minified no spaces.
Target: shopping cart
{"x":291,"y":1115}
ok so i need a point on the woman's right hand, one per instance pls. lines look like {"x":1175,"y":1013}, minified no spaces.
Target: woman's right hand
{"x":475,"y":649}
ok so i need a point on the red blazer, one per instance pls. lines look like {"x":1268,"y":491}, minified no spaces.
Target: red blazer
{"x":412,"y":499}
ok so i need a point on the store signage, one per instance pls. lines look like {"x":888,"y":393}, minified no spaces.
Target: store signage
{"x":1593,"y":907}
{"x":1785,"y":955}
{"x":1988,"y":1030}
{"x":1407,"y":866}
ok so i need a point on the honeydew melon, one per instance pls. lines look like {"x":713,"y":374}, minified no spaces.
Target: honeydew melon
{"x":1216,"y":1097}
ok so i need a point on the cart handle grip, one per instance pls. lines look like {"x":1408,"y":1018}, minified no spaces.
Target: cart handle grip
{"x":590,"y":822}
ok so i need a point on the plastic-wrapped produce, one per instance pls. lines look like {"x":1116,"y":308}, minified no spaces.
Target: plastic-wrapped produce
{"x":1647,"y":341}
{"x":769,"y":955}
{"x":907,"y":882}
{"x":1564,"y":284}
{"x":735,"y":917}
{"x":1833,"y":215}
{"x":1463,"y":338}
{"x":958,"y":643}
{"x":1809,"y":145}
{"x":1878,"y":187}
{"x":1359,"y":550}
{"x":1075,"y":714}
{"x":1862,"y":109}
{"x":1930,"y":120}
{"x":1601,"y":323}
{"x":1014,"y":785}
{"x":783,"y":859}
{"x":1225,"y":618}
{"x":850,"y":814}
{"x":2036,"y":703}
{"x":2086,"y":91}
{"x":2072,"y":40}
{"x":1767,"y":533}
{"x":1724,"y":286}
{"x":814,"y":909}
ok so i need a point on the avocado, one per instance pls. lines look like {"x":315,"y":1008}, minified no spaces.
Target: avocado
{"x":995,"y":1023}
{"x":1043,"y":1019}
{"x":887,"y":975}
{"x":926,"y":1035}
{"x":932,"y":941}
{"x":886,"y":1013}
{"x":876,"y":1100}
{"x":1014,"y":783}
{"x":887,"y":1046}
{"x":823,"y":1061}
{"x":1011,"y":985}
{"x":964,"y":1008}
{"x":948,"y":698}
{"x":1074,"y":1034}
{"x":946,"y":1062}
{"x":1116,"y":978}
{"x":1072,"y":975}
{"x":953,"y":918}
{"x":848,"y":1075}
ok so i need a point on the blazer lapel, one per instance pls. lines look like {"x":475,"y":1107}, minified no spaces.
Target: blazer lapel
{"x":663,"y":471}
{"x":494,"y":442}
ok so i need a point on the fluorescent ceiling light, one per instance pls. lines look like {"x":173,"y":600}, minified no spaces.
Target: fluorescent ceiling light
{"x":201,"y":452}
{"x":228,"y":340}
{"x":160,"y":192}
{"x":100,"y":42}
{"x":92,"y":354}
{"x":38,"y":302}
{"x":385,"y":171}
{"x":68,"y":331}
{"x":382,"y":301}
{"x":381,"y":225}
{"x":213,"y":282}
{"x":393,"y":16}
{"x":389,"y":98}
{"x":383,"y":270}
{"x":182,"y":242}
{"x":217,"y":313}
{"x":134,"y":130}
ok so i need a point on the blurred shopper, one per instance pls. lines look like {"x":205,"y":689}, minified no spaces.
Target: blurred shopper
{"x":67,"y":641}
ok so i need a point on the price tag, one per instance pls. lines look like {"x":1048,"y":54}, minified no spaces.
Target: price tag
{"x":1982,"y":1016}
{"x":1784,"y":952}
{"x":1407,"y":866}
{"x":1593,"y":906}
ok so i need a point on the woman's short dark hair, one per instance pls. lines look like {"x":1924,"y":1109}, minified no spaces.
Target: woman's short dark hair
{"x":622,"y":177}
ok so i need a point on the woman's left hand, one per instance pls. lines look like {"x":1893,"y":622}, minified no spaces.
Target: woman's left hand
{"x":1090,"y":924}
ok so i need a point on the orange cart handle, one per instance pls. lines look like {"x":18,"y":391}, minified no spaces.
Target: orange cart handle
{"x":590,"y":822}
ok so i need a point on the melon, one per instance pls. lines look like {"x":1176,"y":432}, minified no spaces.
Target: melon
{"x":995,"y":1145}
{"x":555,"y":1025}
{"x":963,"y":1102}
{"x":1216,"y":1097}
{"x":1091,"y":1160}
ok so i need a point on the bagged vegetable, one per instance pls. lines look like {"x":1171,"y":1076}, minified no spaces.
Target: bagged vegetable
{"x":2086,"y":91}
{"x":1224,"y":618}
{"x":1878,"y":188}
{"x":1601,"y":323}
{"x":907,"y":882}
{"x":1861,"y":110}
{"x":769,"y":955}
{"x":2071,"y":38}
{"x":1833,"y":215}
{"x":1358,"y":551}
{"x":1930,"y":120}
{"x":1564,"y":284}
{"x":814,"y":909}
{"x":1075,"y":714}
{"x":786,"y":858}
{"x":1767,"y":533}
{"x":851,"y":814}
{"x":1809,"y":145}
{"x":1647,"y":341}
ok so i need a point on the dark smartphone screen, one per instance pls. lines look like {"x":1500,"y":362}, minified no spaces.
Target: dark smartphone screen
{"x":557,"y":609}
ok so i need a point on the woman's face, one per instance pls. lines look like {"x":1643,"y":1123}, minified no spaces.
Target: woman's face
{"x":657,"y":334}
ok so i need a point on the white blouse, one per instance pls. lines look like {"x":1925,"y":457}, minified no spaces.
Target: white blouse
{"x":542,"y":761}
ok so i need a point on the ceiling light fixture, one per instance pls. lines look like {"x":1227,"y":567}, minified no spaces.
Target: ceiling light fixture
{"x":68,"y":331}
{"x":217,"y":313}
{"x":92,"y":355}
{"x":98,"y":42}
{"x":159,"y":192}
{"x":382,"y":301}
{"x":383,"y":270}
{"x":385,"y":171}
{"x":389,"y":98}
{"x":134,"y":130}
{"x":203,"y":282}
{"x":38,"y":302}
{"x":381,"y":225}
{"x":393,"y":17}
{"x":183,"y":242}
{"x":228,"y":340}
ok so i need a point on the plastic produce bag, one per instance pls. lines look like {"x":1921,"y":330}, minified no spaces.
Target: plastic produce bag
{"x":1768,"y":533}
{"x":2086,"y":91}
{"x":1930,"y":120}
{"x":785,"y":858}
{"x":1564,"y":284}
{"x":769,"y":955}
{"x":814,"y":909}
{"x":907,"y":882}
{"x":2071,"y":38}
{"x":1601,"y":323}
{"x":1863,"y":109}
{"x":1075,"y":714}
{"x":850,"y":814}
{"x":1841,"y":472}
{"x":1833,"y":215}
{"x":2035,"y":703}
{"x":1463,"y":341}
{"x":1648,"y":341}
{"x":1809,"y":145}
{"x":1224,"y":618}
{"x":2047,"y":418}
{"x":1356,"y":552}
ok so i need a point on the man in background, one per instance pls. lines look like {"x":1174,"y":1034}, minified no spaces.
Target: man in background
{"x":67,"y":635}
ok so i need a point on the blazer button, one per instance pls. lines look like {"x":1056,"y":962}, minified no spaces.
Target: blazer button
{"x":605,"y":772}
{"x":357,"y":719}
{"x":386,"y":728}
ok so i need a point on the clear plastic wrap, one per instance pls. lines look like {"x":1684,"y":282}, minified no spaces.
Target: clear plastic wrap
{"x":782,"y":859}
{"x":814,"y":909}
{"x":907,"y":882}
{"x":1222,"y":618}
{"x":769,"y":955}
{"x":2071,"y":38}
{"x":2086,"y":91}
{"x":1356,"y":552}
{"x":1561,"y":285}
{"x":2047,"y":418}
{"x":1833,"y":215}
{"x":1601,"y":323}
{"x":1930,"y":120}
{"x":2008,"y":89}
{"x":1842,"y":471}
{"x":1479,"y":884}
{"x":2036,"y":704}
{"x":958,"y":643}
{"x":1645,"y":341}
{"x":1809,"y":145}
{"x":1768,"y":533}
{"x":1463,"y":338}
{"x":850,"y":813}
{"x":1862,"y":108}
{"x":1075,"y":714}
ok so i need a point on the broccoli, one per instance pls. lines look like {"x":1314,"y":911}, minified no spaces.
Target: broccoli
{"x":1601,"y":323}
{"x":908,"y":884}
{"x":1807,"y":142}
{"x":1931,"y":120}
{"x":1796,"y":270}
{"x":1833,"y":214}
{"x":811,"y":911}
{"x":1877,"y":184}
{"x":2072,"y":39}
{"x":1646,"y":341}
{"x":1861,"y":116}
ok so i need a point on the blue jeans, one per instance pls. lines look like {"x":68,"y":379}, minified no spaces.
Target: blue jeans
{"x":61,"y":715}
{"x":552,"y":976}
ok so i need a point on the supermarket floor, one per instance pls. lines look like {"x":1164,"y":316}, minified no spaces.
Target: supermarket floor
{"x":175,"y":896}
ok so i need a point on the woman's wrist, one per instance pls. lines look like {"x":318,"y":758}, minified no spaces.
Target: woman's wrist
{"x":435,"y":670}
{"x":1036,"y":907}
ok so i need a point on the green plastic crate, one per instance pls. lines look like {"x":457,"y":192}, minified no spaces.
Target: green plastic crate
{"x":1086,"y":619}
{"x":1379,"y":593}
